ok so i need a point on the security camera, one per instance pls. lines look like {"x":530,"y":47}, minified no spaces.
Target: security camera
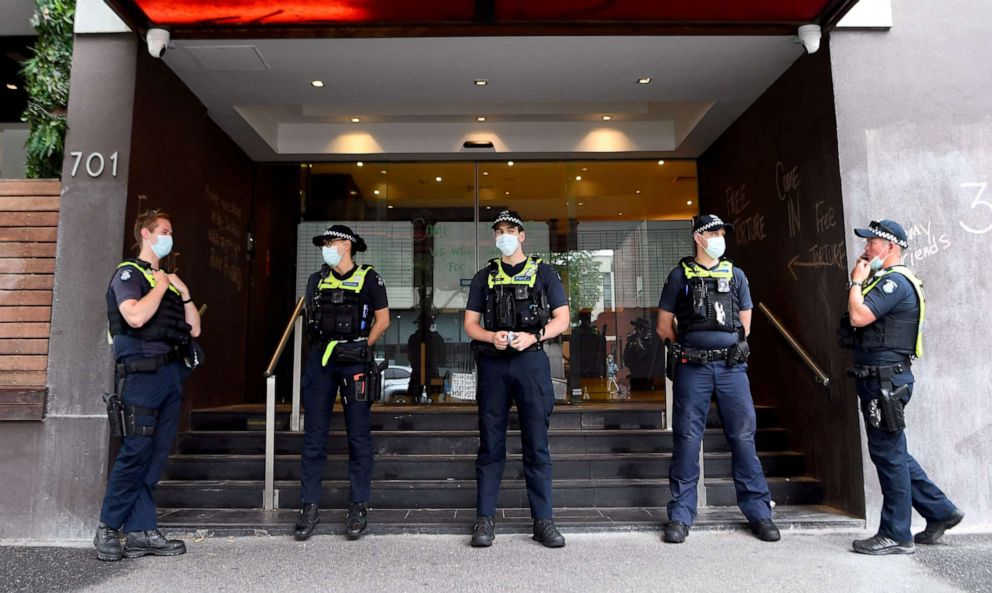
{"x":158,"y":42}
{"x":809,"y":36}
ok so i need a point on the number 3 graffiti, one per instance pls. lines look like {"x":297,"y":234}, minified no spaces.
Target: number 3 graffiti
{"x":978,"y":201}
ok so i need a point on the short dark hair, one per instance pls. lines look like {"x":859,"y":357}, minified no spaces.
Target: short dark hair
{"x":148,"y":220}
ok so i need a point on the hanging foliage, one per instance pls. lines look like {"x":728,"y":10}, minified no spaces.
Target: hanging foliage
{"x":46,"y":80}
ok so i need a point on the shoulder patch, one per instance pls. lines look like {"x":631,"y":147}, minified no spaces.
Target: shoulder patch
{"x":888,"y":287}
{"x":125,"y":275}
{"x":381,"y":281}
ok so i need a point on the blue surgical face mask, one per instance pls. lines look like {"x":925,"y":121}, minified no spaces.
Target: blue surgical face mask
{"x":162,"y":245}
{"x":875,"y":264}
{"x":715,"y":246}
{"x":332,"y":256}
{"x":507,"y":244}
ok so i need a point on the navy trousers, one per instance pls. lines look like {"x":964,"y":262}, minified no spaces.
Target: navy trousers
{"x":129,"y":503}
{"x":320,"y":388}
{"x":523,"y":378}
{"x":905,"y":486}
{"x":694,"y":386}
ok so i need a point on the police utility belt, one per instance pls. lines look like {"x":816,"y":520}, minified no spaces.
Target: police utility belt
{"x":884,"y":412}
{"x":123,"y":418}
{"x":488,"y":349}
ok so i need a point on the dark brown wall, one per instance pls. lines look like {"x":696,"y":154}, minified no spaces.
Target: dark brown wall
{"x":775,"y":173}
{"x":182,"y":162}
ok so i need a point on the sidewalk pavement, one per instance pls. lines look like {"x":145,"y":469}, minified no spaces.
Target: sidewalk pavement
{"x":809,"y":562}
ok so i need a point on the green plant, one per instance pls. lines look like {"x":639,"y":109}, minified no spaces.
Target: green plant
{"x":46,"y":80}
{"x":582,"y":275}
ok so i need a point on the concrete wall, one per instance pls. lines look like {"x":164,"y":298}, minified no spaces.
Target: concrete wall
{"x":914,"y":115}
{"x":52,"y":473}
{"x":774,"y":173}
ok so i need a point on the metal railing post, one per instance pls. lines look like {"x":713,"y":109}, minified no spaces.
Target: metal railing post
{"x":268,"y":493}
{"x":294,"y":418}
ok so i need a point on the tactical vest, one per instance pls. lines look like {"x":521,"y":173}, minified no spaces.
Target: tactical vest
{"x":711,"y":303}
{"x":337,"y":312}
{"x":891,"y":333}
{"x":515,"y":303}
{"x":168,"y":324}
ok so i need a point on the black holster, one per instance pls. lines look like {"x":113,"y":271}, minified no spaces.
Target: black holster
{"x":351,"y":354}
{"x":884,"y":412}
{"x":671,"y":356}
{"x":374,"y":378}
{"x":115,"y":414}
{"x":739,"y":352}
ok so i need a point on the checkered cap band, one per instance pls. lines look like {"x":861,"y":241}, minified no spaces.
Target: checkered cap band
{"x":329,"y":234}
{"x":716,"y":222}
{"x":880,"y":231}
{"x":507,"y":217}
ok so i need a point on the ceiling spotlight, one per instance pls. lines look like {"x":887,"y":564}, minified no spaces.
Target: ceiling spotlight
{"x":585,"y":168}
{"x":360,"y":164}
{"x":485,"y":172}
{"x":489,"y":207}
{"x":644,"y":80}
{"x":480,"y":118}
{"x":637,"y":191}
{"x":438,"y":179}
{"x":383,"y":171}
{"x":689,"y":203}
{"x":582,"y":203}
{"x":390,"y":206}
{"x":619,"y":213}
{"x":11,"y":86}
{"x":607,"y":117}
{"x":353,"y":192}
{"x":507,"y":193}
{"x":661,"y":162}
{"x":578,"y":178}
{"x":509,"y":163}
{"x":481,"y":82}
{"x":317,"y":84}
{"x":356,"y":120}
{"x":309,"y":165}
{"x":375,"y":191}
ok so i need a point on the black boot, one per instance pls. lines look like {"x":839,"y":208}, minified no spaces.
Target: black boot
{"x":357,"y":520}
{"x":935,"y":529}
{"x":546,"y":533}
{"x":484,"y":532}
{"x":307,"y":521}
{"x":766,"y":530}
{"x":107,"y":543}
{"x":153,"y":543}
{"x":676,"y":532}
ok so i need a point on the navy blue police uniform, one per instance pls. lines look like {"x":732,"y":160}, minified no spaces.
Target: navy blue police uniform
{"x":151,"y":367}
{"x":883,"y":352}
{"x":707,"y":334}
{"x":340,"y":309}
{"x":532,"y":289}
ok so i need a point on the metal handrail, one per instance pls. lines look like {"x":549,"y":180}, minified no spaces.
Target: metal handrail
{"x":271,"y":369}
{"x":818,"y":375}
{"x":269,"y":501}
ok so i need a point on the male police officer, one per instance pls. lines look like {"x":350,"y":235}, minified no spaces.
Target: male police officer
{"x":709,"y":298}
{"x":152,"y":319}
{"x":883,"y":326}
{"x":514,"y":303}
{"x":346,"y":312}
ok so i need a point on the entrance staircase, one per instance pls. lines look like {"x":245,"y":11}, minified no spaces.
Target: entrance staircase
{"x":610,"y":471}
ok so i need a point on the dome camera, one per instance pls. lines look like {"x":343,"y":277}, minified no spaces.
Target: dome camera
{"x":158,"y":42}
{"x":809,"y":36}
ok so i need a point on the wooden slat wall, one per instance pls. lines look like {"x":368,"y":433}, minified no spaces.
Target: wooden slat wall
{"x":29,"y":218}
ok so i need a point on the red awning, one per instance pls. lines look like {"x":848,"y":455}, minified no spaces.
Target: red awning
{"x":188,"y":18}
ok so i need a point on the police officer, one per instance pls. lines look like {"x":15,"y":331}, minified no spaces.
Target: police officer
{"x":710,"y":300}
{"x":152,"y":320}
{"x":514,"y":304}
{"x":346,"y":312}
{"x":883,"y":326}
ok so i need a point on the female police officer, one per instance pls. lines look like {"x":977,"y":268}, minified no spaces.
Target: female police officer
{"x":346,"y":311}
{"x":152,"y":319}
{"x":514,"y":298}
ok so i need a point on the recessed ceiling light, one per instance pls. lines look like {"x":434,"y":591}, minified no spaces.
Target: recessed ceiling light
{"x":317,"y":84}
{"x":585,"y":168}
{"x":489,"y":207}
{"x":578,"y":178}
{"x":309,"y":165}
{"x":509,"y":163}
{"x":582,"y":203}
{"x":481,"y":82}
{"x":485,"y":172}
{"x":353,"y":192}
{"x":507,"y":193}
{"x":661,"y":162}
{"x":644,"y":80}
{"x":356,"y":120}
{"x":390,"y":206}
{"x":375,"y":191}
{"x":11,"y":86}
{"x":360,"y":164}
{"x":689,"y":203}
{"x":607,"y":117}
{"x":619,"y":213}
{"x":438,"y":179}
{"x":637,"y":191}
{"x":480,"y":118}
{"x":383,"y":171}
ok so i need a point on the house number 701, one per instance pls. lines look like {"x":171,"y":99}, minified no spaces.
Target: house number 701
{"x":95,"y":163}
